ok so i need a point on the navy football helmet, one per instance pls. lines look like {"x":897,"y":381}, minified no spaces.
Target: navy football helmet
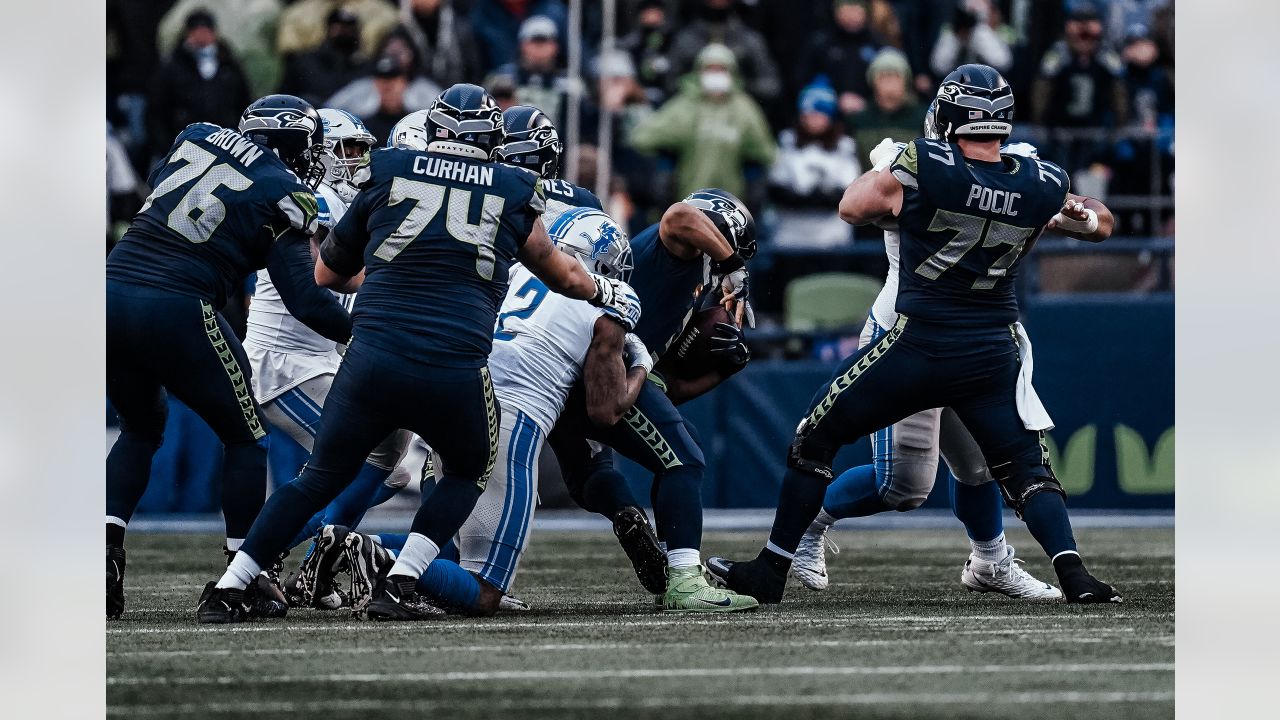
{"x":973,"y":100}
{"x":465,"y":120}
{"x":292,"y":128}
{"x":731,"y":217}
{"x":531,"y":141}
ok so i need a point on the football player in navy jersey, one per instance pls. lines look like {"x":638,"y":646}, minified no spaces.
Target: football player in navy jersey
{"x":226,"y":202}
{"x":431,"y":235}
{"x":965,"y":215}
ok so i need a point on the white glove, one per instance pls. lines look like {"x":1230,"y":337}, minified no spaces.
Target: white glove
{"x":883,"y":154}
{"x":636,"y":354}
{"x":617,"y":298}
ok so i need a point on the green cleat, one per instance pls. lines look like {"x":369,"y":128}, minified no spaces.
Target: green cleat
{"x":688,"y":591}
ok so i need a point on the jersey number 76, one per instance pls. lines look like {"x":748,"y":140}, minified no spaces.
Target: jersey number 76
{"x":184,"y":220}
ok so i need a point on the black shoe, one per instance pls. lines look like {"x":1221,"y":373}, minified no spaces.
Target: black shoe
{"x":640,"y":543}
{"x":397,"y":599}
{"x":262,"y":599}
{"x":755,"y":578}
{"x":369,"y":564}
{"x":115,"y":581}
{"x":292,"y":589}
{"x":326,"y":558}
{"x":1079,"y":586}
{"x":221,"y":605}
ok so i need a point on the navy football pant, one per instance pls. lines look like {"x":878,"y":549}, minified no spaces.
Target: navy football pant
{"x":914,"y":367}
{"x":653,"y":434}
{"x":156,"y":342}
{"x":374,"y":393}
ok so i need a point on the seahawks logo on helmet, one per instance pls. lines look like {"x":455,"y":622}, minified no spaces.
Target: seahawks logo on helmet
{"x":277,"y":119}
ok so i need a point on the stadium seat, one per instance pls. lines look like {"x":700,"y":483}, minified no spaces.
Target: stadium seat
{"x":829,"y":301}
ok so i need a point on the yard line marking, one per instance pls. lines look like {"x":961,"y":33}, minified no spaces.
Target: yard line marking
{"x":637,"y":673}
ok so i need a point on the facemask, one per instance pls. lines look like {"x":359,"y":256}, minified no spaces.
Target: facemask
{"x":716,"y":82}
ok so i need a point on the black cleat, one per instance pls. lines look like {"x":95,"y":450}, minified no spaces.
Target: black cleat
{"x":221,"y":605}
{"x":369,"y":564}
{"x":640,"y":543}
{"x":397,"y":599}
{"x":264,"y":599}
{"x":115,"y":581}
{"x":755,"y":578}
{"x":326,"y":558}
{"x":1079,"y":586}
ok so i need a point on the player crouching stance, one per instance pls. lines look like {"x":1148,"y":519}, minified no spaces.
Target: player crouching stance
{"x":965,"y":214}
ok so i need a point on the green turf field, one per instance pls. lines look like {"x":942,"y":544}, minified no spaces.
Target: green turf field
{"x":896,"y":636}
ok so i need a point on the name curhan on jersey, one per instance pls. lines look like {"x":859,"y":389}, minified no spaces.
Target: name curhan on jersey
{"x":240,"y":147}
{"x":471,"y":173}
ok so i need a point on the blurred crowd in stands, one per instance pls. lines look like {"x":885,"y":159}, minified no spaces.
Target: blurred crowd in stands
{"x":778,"y":101}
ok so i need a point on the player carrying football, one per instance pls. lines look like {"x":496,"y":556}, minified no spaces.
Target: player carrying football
{"x":965,"y":213}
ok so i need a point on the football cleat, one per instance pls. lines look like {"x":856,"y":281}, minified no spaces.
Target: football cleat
{"x":809,"y":565}
{"x":640,"y":543}
{"x":755,"y":578}
{"x":513,"y":603}
{"x":369,"y":563}
{"x":1005,"y":577}
{"x":397,"y":598}
{"x":264,"y":599}
{"x":688,"y":591}
{"x":221,"y":605}
{"x":1078,"y":585}
{"x":115,"y":581}
{"x":326,"y":558}
{"x":292,"y":588}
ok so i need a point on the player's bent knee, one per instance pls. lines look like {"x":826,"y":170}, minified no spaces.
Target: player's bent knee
{"x":1021,"y":482}
{"x":904,"y":502}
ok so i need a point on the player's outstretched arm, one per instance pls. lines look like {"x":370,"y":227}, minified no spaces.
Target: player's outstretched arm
{"x":1083,"y":218}
{"x":568,"y":277}
{"x":612,"y":387}
{"x":875,"y":195}
{"x":289,"y":262}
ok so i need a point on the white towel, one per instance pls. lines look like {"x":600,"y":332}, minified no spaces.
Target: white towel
{"x":1030,"y":409}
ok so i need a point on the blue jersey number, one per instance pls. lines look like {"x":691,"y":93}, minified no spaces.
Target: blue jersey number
{"x":536,"y":291}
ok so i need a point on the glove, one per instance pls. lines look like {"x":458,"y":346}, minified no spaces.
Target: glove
{"x":636,"y":354}
{"x":617,"y":299}
{"x":735,"y":282}
{"x":730,"y":343}
{"x":883,"y":154}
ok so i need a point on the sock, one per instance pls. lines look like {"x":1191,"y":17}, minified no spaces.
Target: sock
{"x":606,"y":492}
{"x":776,"y":558}
{"x":450,"y":585}
{"x":417,"y":554}
{"x":240,"y":572}
{"x":979,"y":507}
{"x":684,"y":557}
{"x":1046,"y":517}
{"x":798,"y":504}
{"x":854,"y":493}
{"x":115,"y":531}
{"x":989,"y":550}
{"x":233,"y":544}
{"x":678,"y":506}
{"x":822,"y":522}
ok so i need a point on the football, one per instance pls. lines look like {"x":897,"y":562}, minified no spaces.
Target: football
{"x":690,"y":355}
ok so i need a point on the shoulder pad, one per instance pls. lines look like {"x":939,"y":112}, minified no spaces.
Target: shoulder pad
{"x":906,"y":166}
{"x":301,"y":209}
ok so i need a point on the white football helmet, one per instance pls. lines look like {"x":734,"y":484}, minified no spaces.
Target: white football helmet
{"x":596,"y":240}
{"x":410,"y":133}
{"x":346,"y":145}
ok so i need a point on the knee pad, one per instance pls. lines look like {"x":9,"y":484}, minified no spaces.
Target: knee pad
{"x":806,"y":458}
{"x":1020,"y":482}
{"x":904,"y":500}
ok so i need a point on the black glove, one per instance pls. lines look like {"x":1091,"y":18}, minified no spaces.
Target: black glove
{"x":730,"y":344}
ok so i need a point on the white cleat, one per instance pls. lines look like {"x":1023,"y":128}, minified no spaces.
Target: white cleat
{"x":1007,"y":578}
{"x":809,"y":565}
{"x":513,"y":603}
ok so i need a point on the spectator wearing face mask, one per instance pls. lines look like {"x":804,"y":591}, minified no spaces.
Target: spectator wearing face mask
{"x":893,"y":111}
{"x":716,"y":21}
{"x":974,"y":35}
{"x":318,"y":74}
{"x":649,"y":46}
{"x":816,"y":162}
{"x":246,"y":27}
{"x":843,"y":55}
{"x":1081,"y":82}
{"x":713,"y":129}
{"x":199,"y":82}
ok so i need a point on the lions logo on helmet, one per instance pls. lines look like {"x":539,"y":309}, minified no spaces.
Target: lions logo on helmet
{"x":730,"y":216}
{"x":595,"y":239}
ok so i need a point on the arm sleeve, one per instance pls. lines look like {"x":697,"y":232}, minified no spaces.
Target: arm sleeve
{"x":343,"y":248}
{"x":292,"y":272}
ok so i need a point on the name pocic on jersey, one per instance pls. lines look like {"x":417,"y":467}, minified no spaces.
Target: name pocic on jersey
{"x":472,"y":173}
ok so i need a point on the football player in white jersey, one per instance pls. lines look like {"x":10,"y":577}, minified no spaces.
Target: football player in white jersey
{"x":544,"y":343}
{"x":293,"y":367}
{"x":906,"y":464}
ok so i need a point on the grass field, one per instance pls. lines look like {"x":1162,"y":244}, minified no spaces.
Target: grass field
{"x":896,"y":636}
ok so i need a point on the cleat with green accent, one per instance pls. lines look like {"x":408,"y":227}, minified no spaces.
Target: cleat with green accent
{"x":756,"y":578}
{"x":221,"y":605}
{"x":397,"y":598}
{"x":688,"y":591}
{"x":326,"y":558}
{"x":115,"y":581}
{"x":640,"y":543}
{"x":369,"y":563}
